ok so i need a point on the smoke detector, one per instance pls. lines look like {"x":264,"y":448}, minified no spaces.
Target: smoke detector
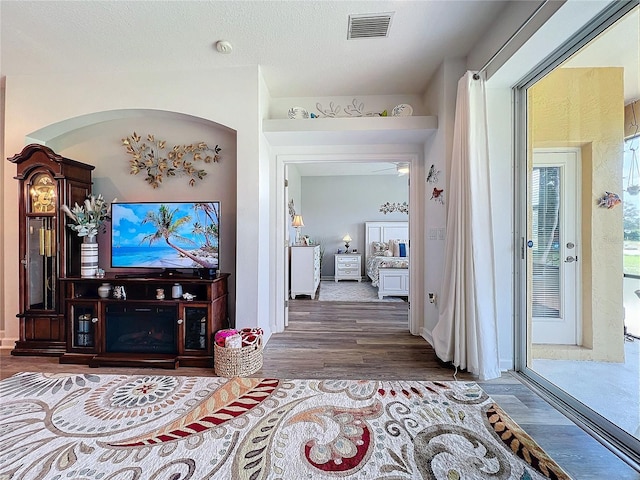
{"x":223,"y":46}
{"x":375,"y":25}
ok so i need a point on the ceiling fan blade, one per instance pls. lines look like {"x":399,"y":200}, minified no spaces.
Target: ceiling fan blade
{"x":384,"y":169}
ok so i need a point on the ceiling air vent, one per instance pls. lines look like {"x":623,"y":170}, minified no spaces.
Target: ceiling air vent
{"x":369,"y":26}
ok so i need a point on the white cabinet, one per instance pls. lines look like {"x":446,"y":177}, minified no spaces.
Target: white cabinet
{"x":348,"y":266}
{"x":305,"y":270}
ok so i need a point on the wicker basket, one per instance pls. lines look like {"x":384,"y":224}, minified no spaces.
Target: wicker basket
{"x":237,"y":362}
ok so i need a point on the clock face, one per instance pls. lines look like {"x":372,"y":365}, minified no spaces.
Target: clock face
{"x":43,"y":194}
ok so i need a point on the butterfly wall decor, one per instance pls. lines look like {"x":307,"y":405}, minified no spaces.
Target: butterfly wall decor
{"x":438,"y":195}
{"x":432,"y":176}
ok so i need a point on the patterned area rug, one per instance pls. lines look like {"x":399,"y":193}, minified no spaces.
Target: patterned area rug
{"x":171,"y":427}
{"x":351,"y":291}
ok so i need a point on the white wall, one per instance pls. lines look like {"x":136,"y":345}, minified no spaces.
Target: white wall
{"x":337,"y":205}
{"x":265,"y":286}
{"x":100,"y":145}
{"x":441,"y":101}
{"x":228,"y":97}
{"x":500,"y":116}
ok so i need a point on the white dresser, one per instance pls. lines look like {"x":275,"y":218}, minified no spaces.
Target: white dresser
{"x":305,"y":270}
{"x":348,"y":266}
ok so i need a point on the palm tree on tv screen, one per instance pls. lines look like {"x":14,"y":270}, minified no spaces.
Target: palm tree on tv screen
{"x":167,"y":228}
{"x":210,"y":231}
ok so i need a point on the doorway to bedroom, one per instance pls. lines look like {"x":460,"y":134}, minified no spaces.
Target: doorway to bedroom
{"x":335,"y":200}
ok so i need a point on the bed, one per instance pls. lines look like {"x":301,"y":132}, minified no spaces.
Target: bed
{"x":389,"y":273}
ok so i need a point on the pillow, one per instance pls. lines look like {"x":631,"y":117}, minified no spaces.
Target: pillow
{"x":393,"y":246}
{"x":403,"y":249}
{"x":378,"y":248}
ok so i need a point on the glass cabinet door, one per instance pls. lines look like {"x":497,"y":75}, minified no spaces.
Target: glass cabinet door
{"x":84,"y":322}
{"x":196,"y":328}
{"x":41,"y":264}
{"x":40,"y":259}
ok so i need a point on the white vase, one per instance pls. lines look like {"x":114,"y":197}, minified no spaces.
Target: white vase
{"x":104,"y":290}
{"x":88,"y":257}
{"x":176,"y":290}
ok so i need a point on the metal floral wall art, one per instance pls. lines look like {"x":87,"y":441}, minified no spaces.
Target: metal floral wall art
{"x":292,"y":209}
{"x":354,"y":109}
{"x":330,"y":112}
{"x":394,"y":207}
{"x":152,"y":157}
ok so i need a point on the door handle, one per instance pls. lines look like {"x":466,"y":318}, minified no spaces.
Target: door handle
{"x":571,"y":259}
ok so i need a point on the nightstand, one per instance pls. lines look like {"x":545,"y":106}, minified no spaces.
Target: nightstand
{"x":348,"y":266}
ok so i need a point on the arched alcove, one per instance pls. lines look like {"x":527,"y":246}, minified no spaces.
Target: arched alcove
{"x":96,"y":139}
{"x":61,"y":135}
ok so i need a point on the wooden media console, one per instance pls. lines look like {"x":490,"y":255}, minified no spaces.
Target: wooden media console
{"x":139,"y":329}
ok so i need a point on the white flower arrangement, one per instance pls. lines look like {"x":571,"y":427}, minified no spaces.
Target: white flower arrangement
{"x":89,"y":217}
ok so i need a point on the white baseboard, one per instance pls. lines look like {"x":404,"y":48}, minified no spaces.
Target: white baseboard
{"x":506,"y":364}
{"x":426,"y":334}
{"x":7,"y":343}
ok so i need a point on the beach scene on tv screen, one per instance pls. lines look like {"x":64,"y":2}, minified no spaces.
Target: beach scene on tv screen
{"x":165,"y":235}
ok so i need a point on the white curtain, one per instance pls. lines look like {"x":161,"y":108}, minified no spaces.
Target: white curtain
{"x":466,"y":333}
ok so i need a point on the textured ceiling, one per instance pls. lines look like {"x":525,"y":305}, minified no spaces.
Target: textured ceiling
{"x":301,"y":46}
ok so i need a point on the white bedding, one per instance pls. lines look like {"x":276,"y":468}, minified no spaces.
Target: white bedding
{"x":374,"y":263}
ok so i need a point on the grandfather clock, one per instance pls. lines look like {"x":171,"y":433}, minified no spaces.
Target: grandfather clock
{"x":47,"y":249}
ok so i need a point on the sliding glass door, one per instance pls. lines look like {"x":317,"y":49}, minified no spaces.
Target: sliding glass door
{"x":580,"y":226}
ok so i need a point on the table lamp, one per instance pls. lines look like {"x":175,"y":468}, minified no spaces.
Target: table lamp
{"x":346,"y":239}
{"x":297,"y":223}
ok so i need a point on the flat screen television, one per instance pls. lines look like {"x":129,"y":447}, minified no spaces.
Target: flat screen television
{"x":165,"y":235}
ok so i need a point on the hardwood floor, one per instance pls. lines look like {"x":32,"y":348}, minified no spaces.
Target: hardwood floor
{"x":371,"y":340}
{"x":351,"y":340}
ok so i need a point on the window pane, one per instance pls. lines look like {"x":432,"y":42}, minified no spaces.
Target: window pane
{"x":546,"y":260}
{"x":631,"y":206}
